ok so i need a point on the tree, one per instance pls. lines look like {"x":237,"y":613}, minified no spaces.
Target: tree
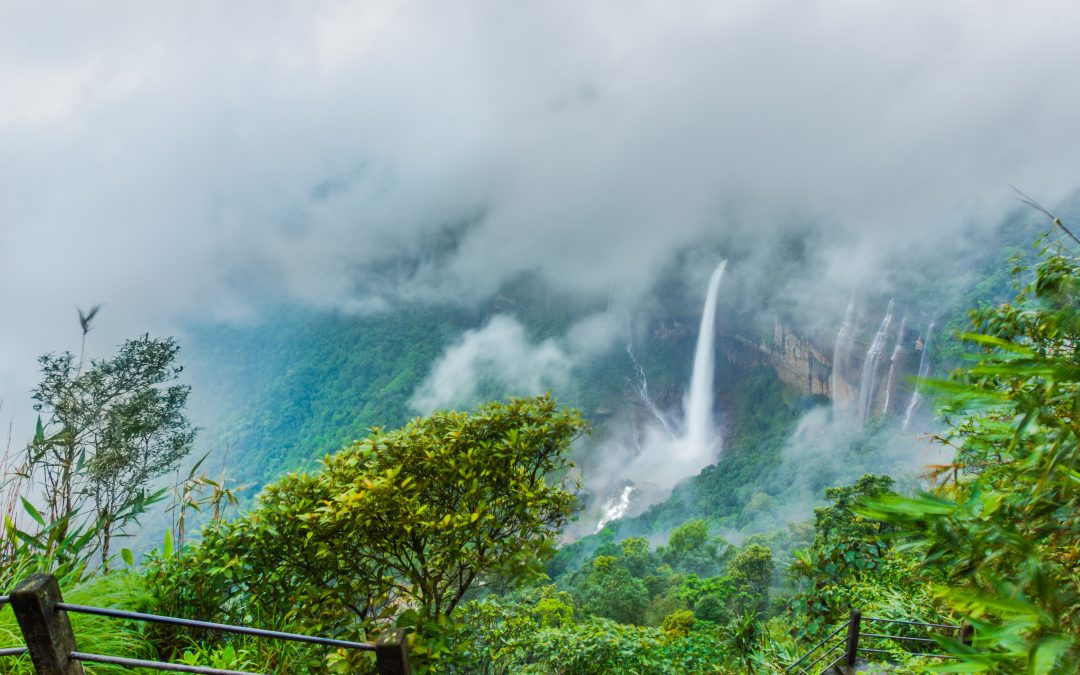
{"x":107,"y":429}
{"x":1003,"y":527}
{"x":751,"y":571}
{"x":413,"y":517}
{"x":847,"y":547}
{"x":610,"y":590}
{"x":691,"y":549}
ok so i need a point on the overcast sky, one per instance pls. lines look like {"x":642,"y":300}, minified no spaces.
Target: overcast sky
{"x":190,"y":160}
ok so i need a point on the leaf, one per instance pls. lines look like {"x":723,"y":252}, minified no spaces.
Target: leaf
{"x":129,"y":559}
{"x":167,"y":549}
{"x":1047,"y":653}
{"x":33,"y":512}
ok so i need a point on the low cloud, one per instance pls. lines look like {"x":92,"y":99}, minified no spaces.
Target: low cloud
{"x":202,"y":161}
{"x":501,"y":360}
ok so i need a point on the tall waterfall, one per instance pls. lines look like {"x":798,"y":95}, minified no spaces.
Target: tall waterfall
{"x":840,"y":353}
{"x":699,"y":437}
{"x":868,"y":381}
{"x":924,"y":371}
{"x":663,"y":458}
{"x":898,"y":347}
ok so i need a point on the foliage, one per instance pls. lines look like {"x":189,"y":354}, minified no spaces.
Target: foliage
{"x":110,"y":428}
{"x":847,"y":550}
{"x":403,"y":523}
{"x":691,"y":549}
{"x":751,"y":571}
{"x":678,"y":623}
{"x":96,"y":634}
{"x":1003,"y":527}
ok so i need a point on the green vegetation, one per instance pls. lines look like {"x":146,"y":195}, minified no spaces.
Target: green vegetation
{"x":1002,"y":530}
{"x":447,"y":525}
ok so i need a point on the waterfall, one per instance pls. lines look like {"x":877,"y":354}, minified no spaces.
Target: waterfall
{"x":616,"y":507}
{"x":642,"y":384}
{"x":868,"y":381}
{"x":898,"y":347}
{"x":924,"y":372}
{"x":699,"y":436}
{"x":840,"y":353}
{"x":664,"y":457}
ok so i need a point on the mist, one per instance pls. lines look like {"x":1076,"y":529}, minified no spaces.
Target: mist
{"x":196,"y":162}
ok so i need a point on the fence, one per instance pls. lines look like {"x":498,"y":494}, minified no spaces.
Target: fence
{"x":42,"y":616}
{"x":845,"y":650}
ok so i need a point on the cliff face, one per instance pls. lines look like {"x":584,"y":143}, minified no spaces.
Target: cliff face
{"x":808,"y":368}
{"x":800,"y":364}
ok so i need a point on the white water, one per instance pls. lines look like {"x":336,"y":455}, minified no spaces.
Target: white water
{"x":924,"y":371}
{"x":700,"y":435}
{"x":615,"y":507}
{"x":898,"y":347}
{"x":664,"y":458}
{"x":840,"y":353}
{"x":642,"y":384}
{"x":868,"y":381}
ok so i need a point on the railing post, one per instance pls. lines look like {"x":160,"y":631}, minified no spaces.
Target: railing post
{"x":967,"y":633}
{"x":392,"y":652}
{"x":852,"y":652}
{"x":45,"y":628}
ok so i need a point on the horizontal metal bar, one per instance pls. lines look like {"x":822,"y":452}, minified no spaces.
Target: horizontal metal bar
{"x":153,"y":665}
{"x":13,"y":651}
{"x":206,"y":625}
{"x":818,"y":645}
{"x":911,"y":623}
{"x":886,"y":651}
{"x":825,"y":653}
{"x":832,"y":665}
{"x":897,"y":637}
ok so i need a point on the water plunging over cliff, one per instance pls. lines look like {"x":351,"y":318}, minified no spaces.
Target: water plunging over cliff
{"x":700,"y":435}
{"x":924,"y":371}
{"x":898,"y":349}
{"x":663,"y":458}
{"x":868,"y":381}
{"x":840,"y":354}
{"x":615,"y":507}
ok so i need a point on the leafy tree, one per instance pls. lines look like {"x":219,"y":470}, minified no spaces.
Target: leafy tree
{"x":108,"y":429}
{"x":414,"y":517}
{"x":846,"y":547}
{"x":751,"y":571}
{"x":1004,"y":525}
{"x":692,"y":550}
{"x":678,"y":623}
{"x":710,"y":598}
{"x":611,"y":591}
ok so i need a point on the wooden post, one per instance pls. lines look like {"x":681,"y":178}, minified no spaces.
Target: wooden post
{"x":967,"y":633}
{"x":852,"y":652}
{"x":45,"y":628}
{"x":392,"y":652}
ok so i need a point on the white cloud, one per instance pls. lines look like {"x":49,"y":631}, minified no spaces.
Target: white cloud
{"x":197,"y":159}
{"x":501,"y":360}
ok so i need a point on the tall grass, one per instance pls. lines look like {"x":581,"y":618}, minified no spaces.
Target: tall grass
{"x":96,"y":634}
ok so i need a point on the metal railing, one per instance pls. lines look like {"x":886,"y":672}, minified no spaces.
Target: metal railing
{"x":50,"y":641}
{"x":844,"y":651}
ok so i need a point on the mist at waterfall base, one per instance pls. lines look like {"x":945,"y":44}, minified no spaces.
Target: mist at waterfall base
{"x":658,"y":458}
{"x":876,"y":428}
